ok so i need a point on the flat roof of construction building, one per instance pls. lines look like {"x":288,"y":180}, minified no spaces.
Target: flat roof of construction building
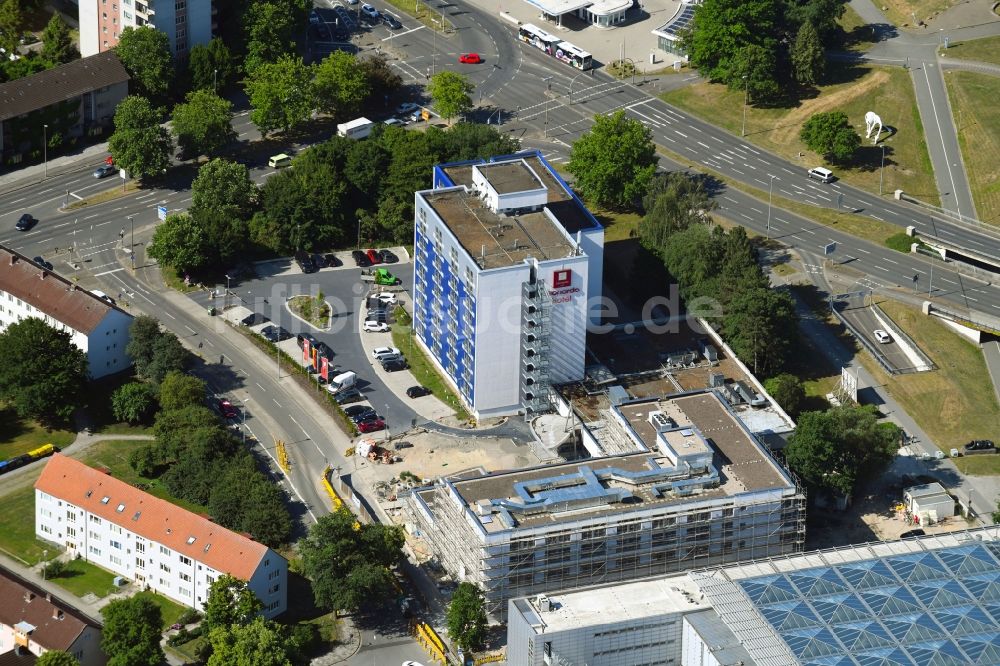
{"x":611,"y":604}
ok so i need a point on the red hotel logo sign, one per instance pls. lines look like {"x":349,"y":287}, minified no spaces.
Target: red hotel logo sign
{"x":563,"y":278}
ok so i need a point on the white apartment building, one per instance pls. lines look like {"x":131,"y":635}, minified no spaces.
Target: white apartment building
{"x":97,"y":327}
{"x":147,"y":540}
{"x":33,"y":622}
{"x":185,"y":22}
{"x":506,"y":262}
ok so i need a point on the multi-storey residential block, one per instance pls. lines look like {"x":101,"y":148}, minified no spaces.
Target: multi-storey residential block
{"x":150,"y":541}
{"x":506,"y":258}
{"x":98,"y":327}
{"x":185,"y":22}
{"x":33,"y":622}
{"x":701,"y":491}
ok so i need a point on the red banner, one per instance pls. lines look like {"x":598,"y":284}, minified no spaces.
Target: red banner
{"x":324,"y":368}
{"x":306,"y":355}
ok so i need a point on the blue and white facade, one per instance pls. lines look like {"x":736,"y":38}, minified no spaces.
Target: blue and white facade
{"x":506,"y":258}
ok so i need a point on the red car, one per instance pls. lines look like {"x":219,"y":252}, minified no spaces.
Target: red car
{"x":371,"y":426}
{"x":470,"y":59}
{"x":374,"y":256}
{"x":227,"y":410}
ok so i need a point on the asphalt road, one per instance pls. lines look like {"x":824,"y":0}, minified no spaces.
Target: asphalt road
{"x":862,"y":317}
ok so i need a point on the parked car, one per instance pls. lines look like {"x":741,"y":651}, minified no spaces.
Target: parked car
{"x":470,"y":59}
{"x":305,"y":262}
{"x":391,"y":22}
{"x":387,"y":298}
{"x":25,"y":222}
{"x":379,"y":352}
{"x":417,"y":391}
{"x":373,"y":425}
{"x":331,"y":261}
{"x":254,"y":319}
{"x":227,"y":410}
{"x":44,"y":264}
{"x":378,"y":316}
{"x":360,"y":412}
{"x":912,"y":533}
{"x":881,"y":336}
{"x":104,"y":171}
{"x":387,"y":256}
{"x":376,"y":327}
{"x":394,"y":364}
{"x":406,"y":107}
{"x":324,"y":349}
{"x":980,"y":445}
{"x":346,"y":396}
{"x":274,"y":333}
{"x":360,"y":259}
{"x":374,"y":257}
{"x":305,"y":336}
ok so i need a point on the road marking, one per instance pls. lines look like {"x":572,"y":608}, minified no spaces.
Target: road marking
{"x":300,"y":426}
{"x":757,"y":210}
{"x":750,"y":149}
{"x":703,"y":145}
{"x":788,"y":171}
{"x":882,"y":268}
{"x":880,"y":219}
{"x":861,"y":249}
{"x":890,"y":260}
{"x":738,"y":171}
{"x":261,"y":387}
{"x":193,"y":332}
{"x":109,"y":272}
{"x":975,"y":300}
{"x":944,"y":149}
{"x":74,"y":194}
{"x":681,"y":133}
{"x":863,"y":202}
{"x":90,"y":217}
{"x":400,"y":34}
{"x":745,"y":216}
{"x":809,"y":231}
{"x":287,"y":478}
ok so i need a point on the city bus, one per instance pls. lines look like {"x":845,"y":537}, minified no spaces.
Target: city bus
{"x":541,"y":40}
{"x":574,"y":56}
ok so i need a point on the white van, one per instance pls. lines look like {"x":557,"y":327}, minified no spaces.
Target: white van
{"x":821,"y":174}
{"x":279,"y":161}
{"x":342,"y":381}
{"x":358,"y":128}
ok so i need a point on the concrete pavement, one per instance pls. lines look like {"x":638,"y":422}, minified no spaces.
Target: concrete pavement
{"x":991,"y":353}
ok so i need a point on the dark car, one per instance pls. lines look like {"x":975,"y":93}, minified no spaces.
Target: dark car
{"x":226,"y":409}
{"x":104,"y":171}
{"x":305,"y":262}
{"x":254,"y":319}
{"x":394,"y":364}
{"x":331,"y":261}
{"x":912,"y":533}
{"x":391,"y":22}
{"x":44,"y":264}
{"x":274,"y":333}
{"x":305,"y":336}
{"x":387,"y":257}
{"x":324,"y":349}
{"x":377,"y":317}
{"x":980,"y":445}
{"x":372,"y":426}
{"x":360,"y":259}
{"x":417,"y":391}
{"x":25,"y":222}
{"x":373,"y":256}
{"x":348,"y":396}
{"x":360,"y":413}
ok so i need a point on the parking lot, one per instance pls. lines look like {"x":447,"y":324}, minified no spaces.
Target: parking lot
{"x":343,"y":289}
{"x":332,"y":24}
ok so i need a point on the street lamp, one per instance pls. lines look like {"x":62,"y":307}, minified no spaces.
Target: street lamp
{"x":548,"y":87}
{"x":881,"y":171}
{"x":244,"y":428}
{"x":746,"y":98}
{"x":45,"y":148}
{"x":225,"y":299}
{"x":132,"y":241}
{"x":386,"y":419}
{"x":215,"y":80}
{"x":770,"y":190}
{"x":45,"y":557}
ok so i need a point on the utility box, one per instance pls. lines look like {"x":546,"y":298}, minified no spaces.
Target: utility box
{"x":931,"y":497}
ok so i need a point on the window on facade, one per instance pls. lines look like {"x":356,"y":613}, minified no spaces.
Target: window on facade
{"x":164,"y":567}
{"x":185,"y":560}
{"x":141,"y":563}
{"x":185,"y":577}
{"x":164,"y":550}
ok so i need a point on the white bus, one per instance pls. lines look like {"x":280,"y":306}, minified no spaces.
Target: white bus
{"x":574,"y":56}
{"x":541,"y":40}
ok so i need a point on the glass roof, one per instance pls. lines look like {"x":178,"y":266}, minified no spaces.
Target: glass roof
{"x":931,"y":608}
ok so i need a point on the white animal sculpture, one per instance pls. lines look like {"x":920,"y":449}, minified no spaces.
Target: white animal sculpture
{"x":871,"y":120}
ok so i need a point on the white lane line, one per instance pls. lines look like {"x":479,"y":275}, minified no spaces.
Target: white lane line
{"x":300,"y":427}
{"x":190,"y":329}
{"x":287,"y":478}
{"x":882,"y":268}
{"x":890,"y":260}
{"x":109,"y":272}
{"x":261,"y":387}
{"x":757,"y":210}
{"x":750,"y":149}
{"x":74,"y":194}
{"x":277,"y":403}
{"x":788,"y":171}
{"x":861,"y":249}
{"x":809,"y":231}
{"x":703,"y":145}
{"x":681,"y":133}
{"x":944,"y":148}
{"x":880,"y":219}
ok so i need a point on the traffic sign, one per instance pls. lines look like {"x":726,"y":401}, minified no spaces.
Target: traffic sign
{"x":161,"y":212}
{"x":829,"y":249}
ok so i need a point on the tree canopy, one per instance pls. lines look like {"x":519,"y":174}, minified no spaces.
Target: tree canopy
{"x":808,"y":59}
{"x":230,"y":602}
{"x":340,"y":85}
{"x":178,"y":390}
{"x":673,"y":201}
{"x":42,"y":373}
{"x":57,"y":43}
{"x":131,"y":634}
{"x":57,"y":658}
{"x":259,"y":643}
{"x":787,"y":389}
{"x":614,"y":162}
{"x":270,"y":27}
{"x":450,"y":92}
{"x":133,"y":402}
{"x":348,"y":562}
{"x":155,"y":353}
{"x":145,"y":54}
{"x":467,"y":623}
{"x":140,"y":145}
{"x":203,"y":125}
{"x":211,"y":66}
{"x":830,"y":134}
{"x":11,"y":24}
{"x":281,"y":94}
{"x":180,"y":241}
{"x":840,"y":448}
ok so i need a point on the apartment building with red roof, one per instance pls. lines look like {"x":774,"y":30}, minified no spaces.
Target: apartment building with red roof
{"x":155,"y":544}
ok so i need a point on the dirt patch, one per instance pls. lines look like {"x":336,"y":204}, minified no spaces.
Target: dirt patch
{"x":793,"y":120}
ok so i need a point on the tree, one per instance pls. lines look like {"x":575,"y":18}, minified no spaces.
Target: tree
{"x":831,"y":135}
{"x":57,"y":658}
{"x":181,"y":242}
{"x":179,"y":390}
{"x":380,"y":75}
{"x":838,"y":449}
{"x":145,"y":54}
{"x":203,"y":125}
{"x":131,"y":635}
{"x":11,"y":24}
{"x":211,"y":66}
{"x":264,"y":513}
{"x":788,"y":391}
{"x":822,"y":14}
{"x":614,"y":162}
{"x":759,"y":324}
{"x":145,"y":331}
{"x":808,"y":59}
{"x":140,"y":145}
{"x":754,"y":70}
{"x":673,"y":201}
{"x":467,"y":623}
{"x":348,"y":562}
{"x":132,"y":402}
{"x":450,"y":92}
{"x":270,"y":27}
{"x":260,"y":643}
{"x":42,"y":373}
{"x":230,"y":602}
{"x":57,"y":43}
{"x":722,"y":28}
{"x":223,"y":199}
{"x":155,"y":353}
{"x":280,"y":94}
{"x":340,"y":85}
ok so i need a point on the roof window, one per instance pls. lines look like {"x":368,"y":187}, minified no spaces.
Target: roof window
{"x":105,"y":499}
{"x":121,"y":507}
{"x":191,"y":540}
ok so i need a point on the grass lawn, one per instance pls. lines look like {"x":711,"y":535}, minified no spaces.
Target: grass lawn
{"x":952,"y":404}
{"x":857,"y":34}
{"x":99,"y":408}
{"x":617,"y":225}
{"x":82,"y":578}
{"x":17,"y":525}
{"x":986,"y":49}
{"x":105,"y":196}
{"x":856,"y":91}
{"x":973,"y":101}
{"x":422,"y":13}
{"x":18,"y":436}
{"x":170,"y":610}
{"x":901,"y":12}
{"x":422,"y":368}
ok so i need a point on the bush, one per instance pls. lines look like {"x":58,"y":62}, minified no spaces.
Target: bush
{"x":900,"y":242}
{"x":189,"y":616}
{"x":54,"y":569}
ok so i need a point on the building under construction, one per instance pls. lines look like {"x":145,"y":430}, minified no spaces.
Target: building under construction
{"x":699,"y":490}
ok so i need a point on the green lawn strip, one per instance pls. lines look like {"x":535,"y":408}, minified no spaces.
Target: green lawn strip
{"x":17,"y":526}
{"x":113,"y":454}
{"x":116,"y":192}
{"x":986,"y":49}
{"x":977,"y":116}
{"x":888,"y":91}
{"x":900,"y":242}
{"x":952,"y":404}
{"x":617,"y":225}
{"x":170,"y":610}
{"x":21,"y":435}
{"x":422,"y":13}
{"x":82,"y":578}
{"x":423,"y":369}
